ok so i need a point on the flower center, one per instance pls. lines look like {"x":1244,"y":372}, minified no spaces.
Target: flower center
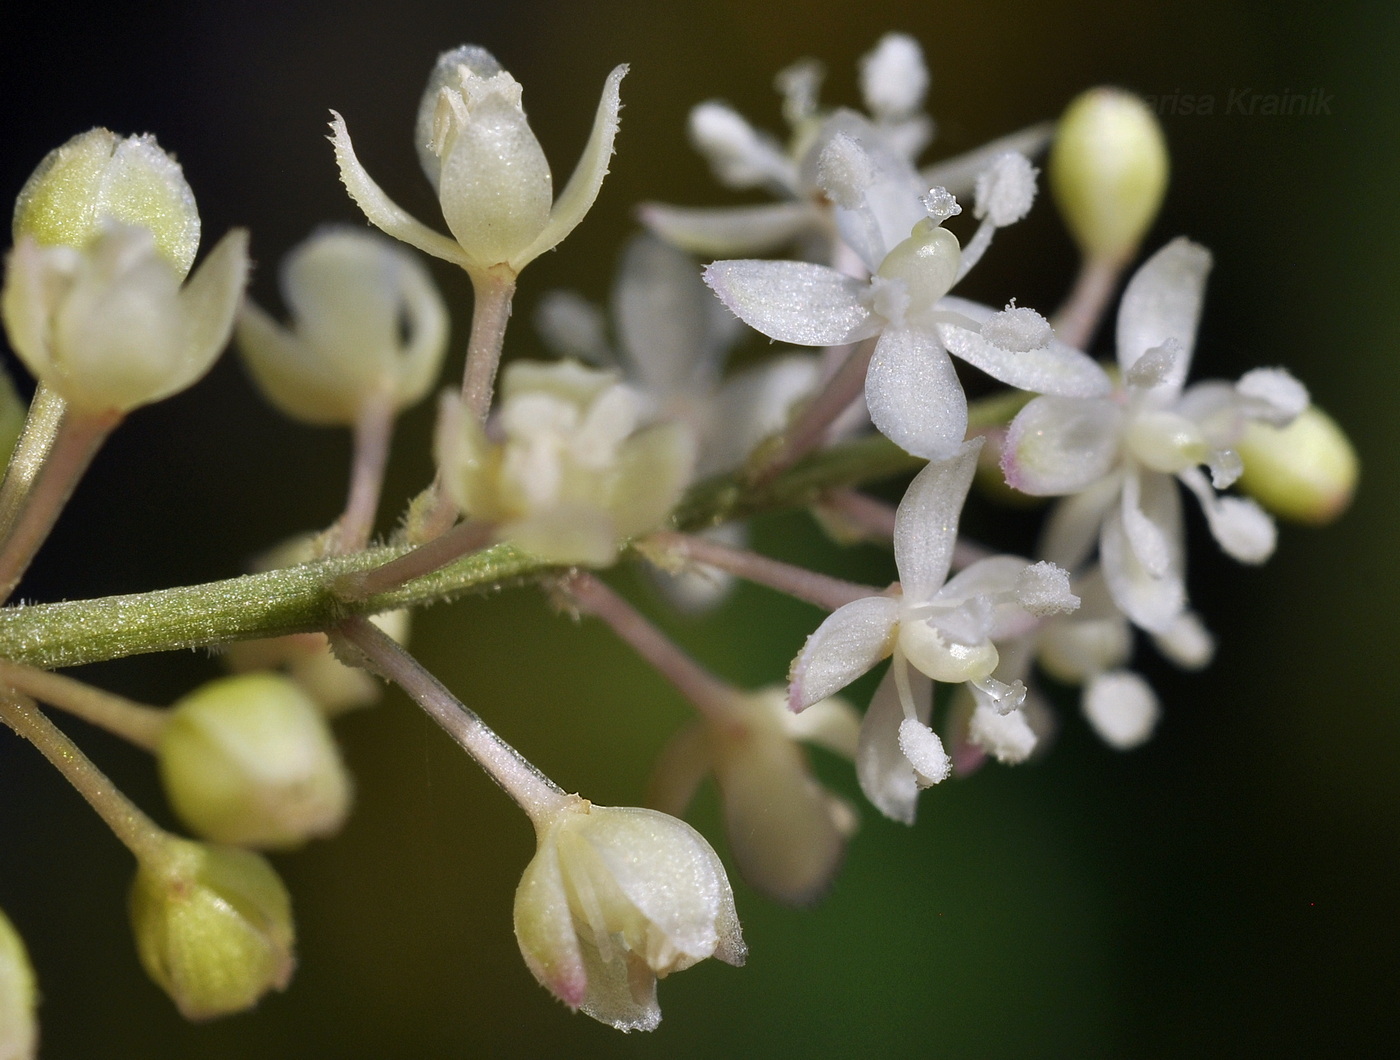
{"x":927,"y":264}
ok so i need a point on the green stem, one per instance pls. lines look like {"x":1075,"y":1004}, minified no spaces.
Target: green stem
{"x":300,"y":599}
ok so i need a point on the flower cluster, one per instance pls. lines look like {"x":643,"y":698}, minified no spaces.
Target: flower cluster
{"x":639,"y":444}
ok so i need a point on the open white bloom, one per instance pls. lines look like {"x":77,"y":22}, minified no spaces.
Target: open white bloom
{"x":787,"y":832}
{"x":894,"y":81}
{"x":108,"y":327}
{"x":940,"y":628}
{"x":616,"y":898}
{"x":1117,"y":454}
{"x":367,"y":325}
{"x":671,"y":339}
{"x":568,"y":470}
{"x":911,"y":388}
{"x":490,"y":173}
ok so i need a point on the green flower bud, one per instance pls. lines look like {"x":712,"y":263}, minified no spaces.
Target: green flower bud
{"x":19,"y":1030}
{"x":1305,"y":472}
{"x":98,"y":177}
{"x":250,"y":760}
{"x":213,"y":928}
{"x":1108,"y":172}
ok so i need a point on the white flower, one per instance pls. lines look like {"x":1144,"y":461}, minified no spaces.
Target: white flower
{"x":943,"y":629}
{"x":671,"y":341}
{"x":109,"y":327}
{"x":911,"y":388}
{"x":894,"y":81}
{"x":787,"y":832}
{"x":367,"y":324}
{"x":616,"y":898}
{"x":491,"y":176}
{"x":1117,"y":454}
{"x":569,"y":471}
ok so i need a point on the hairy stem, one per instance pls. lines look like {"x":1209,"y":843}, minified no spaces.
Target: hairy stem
{"x":494,"y":288}
{"x":134,"y":722}
{"x":708,"y":693}
{"x":463,"y":539}
{"x":811,"y":586}
{"x":374,"y":426}
{"x":137,"y":832}
{"x":1076,"y":321}
{"x":534,"y":792}
{"x":75,"y":442}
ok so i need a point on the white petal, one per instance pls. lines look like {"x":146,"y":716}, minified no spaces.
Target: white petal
{"x":832,"y":724}
{"x":663,"y":313}
{"x":730,"y":231}
{"x":1151,"y":599}
{"x":1161,"y":302}
{"x":752,"y":405}
{"x":740,"y":156}
{"x":849,"y":643}
{"x":1186,"y":642}
{"x":572,"y":326}
{"x":1075,"y":522}
{"x":1122,"y":708}
{"x":1274,"y":395}
{"x":794,"y":301}
{"x":959,"y":174}
{"x":885,"y":775}
{"x":445,"y":74}
{"x":1243,"y":529}
{"x":914,"y":396}
{"x":208,"y":303}
{"x":1058,"y":445}
{"x":1056,"y":369}
{"x":383,"y":212}
{"x":579,"y":194}
{"x":681,"y":766}
{"x":926,"y":523}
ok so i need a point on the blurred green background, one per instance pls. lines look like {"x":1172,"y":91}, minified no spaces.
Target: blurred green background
{"x":1230,"y":889}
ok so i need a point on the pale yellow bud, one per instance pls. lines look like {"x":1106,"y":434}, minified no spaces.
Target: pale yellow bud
{"x":19,"y":1030}
{"x":250,"y":760}
{"x":1305,"y":472}
{"x":97,"y":178}
{"x":213,"y":927}
{"x":1108,"y":171}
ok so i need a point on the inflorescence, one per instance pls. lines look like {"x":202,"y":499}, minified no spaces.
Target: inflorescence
{"x":638,"y":445}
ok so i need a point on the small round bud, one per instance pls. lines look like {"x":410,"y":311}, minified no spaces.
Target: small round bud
{"x":213,"y":928}
{"x":1305,"y":472}
{"x":99,"y":177}
{"x":1108,"y":171}
{"x":250,"y":760}
{"x":19,"y":1030}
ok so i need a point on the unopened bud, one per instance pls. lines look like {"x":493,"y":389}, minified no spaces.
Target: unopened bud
{"x":19,"y":1030}
{"x":1305,"y":472}
{"x":213,"y":927}
{"x":1108,"y":170}
{"x":250,"y":760}
{"x":97,"y":178}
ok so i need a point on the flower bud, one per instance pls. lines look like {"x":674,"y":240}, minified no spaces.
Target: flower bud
{"x":19,"y":1030}
{"x":213,"y":927}
{"x":97,"y":177}
{"x":616,"y":898}
{"x":575,"y":474}
{"x":108,"y":327}
{"x":1306,"y":471}
{"x":367,"y":324}
{"x":1108,"y":170}
{"x":250,"y":760}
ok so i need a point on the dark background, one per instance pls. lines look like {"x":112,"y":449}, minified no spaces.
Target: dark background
{"x":1227,"y":890}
